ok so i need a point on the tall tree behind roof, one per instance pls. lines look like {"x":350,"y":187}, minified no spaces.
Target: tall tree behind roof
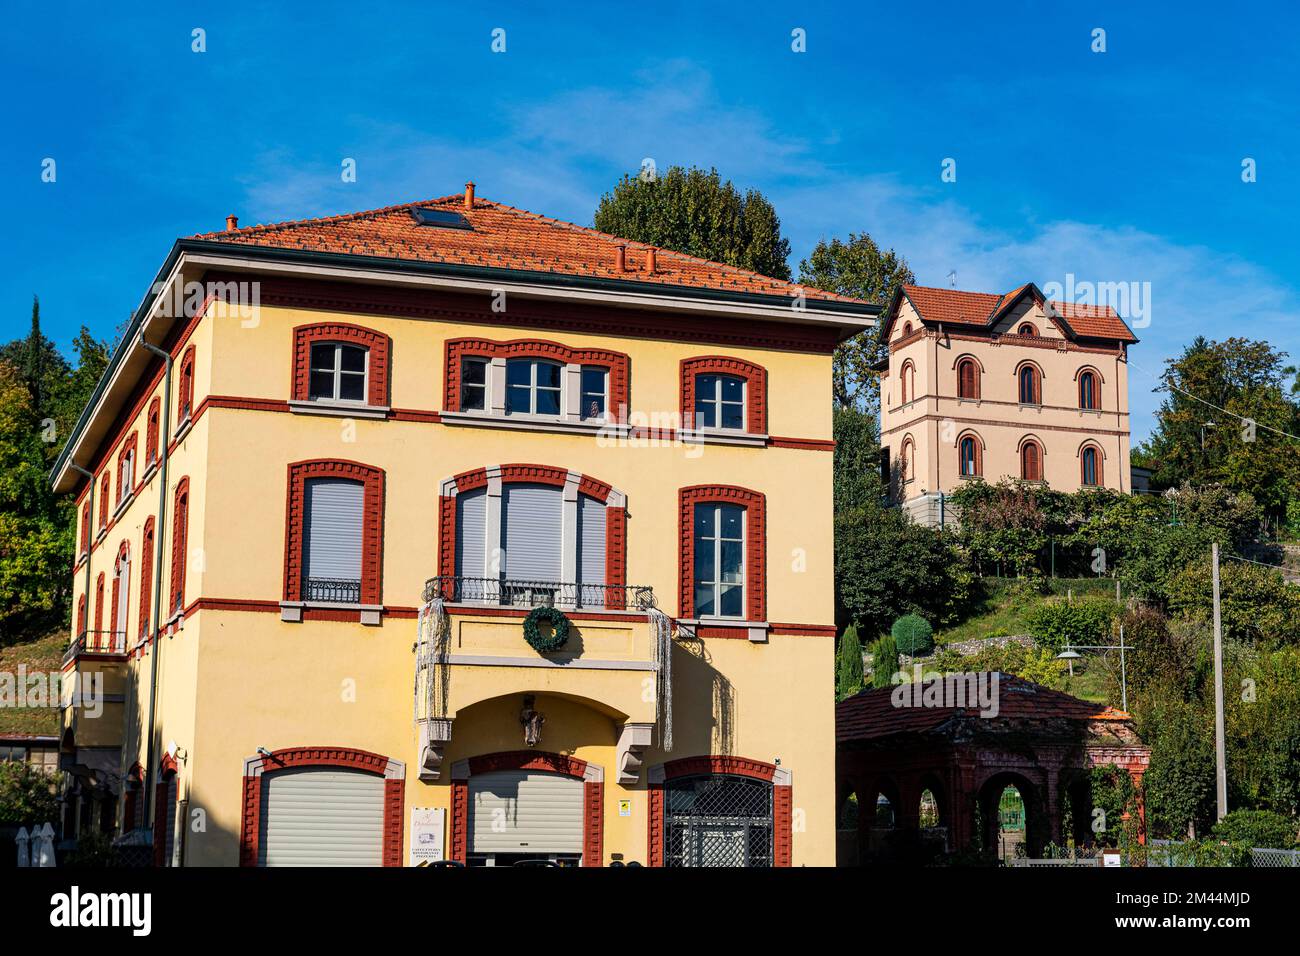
{"x":696,"y":212}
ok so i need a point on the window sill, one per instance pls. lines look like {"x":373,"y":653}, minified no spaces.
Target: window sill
{"x":292,"y":611}
{"x":339,"y":409}
{"x":723,"y":436}
{"x":123,"y":504}
{"x":101,"y":534}
{"x":183,"y":428}
{"x":149,"y":471}
{"x":757,"y":630}
{"x":536,"y":423}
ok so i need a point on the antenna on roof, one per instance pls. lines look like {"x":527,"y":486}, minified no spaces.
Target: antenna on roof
{"x":952,"y":278}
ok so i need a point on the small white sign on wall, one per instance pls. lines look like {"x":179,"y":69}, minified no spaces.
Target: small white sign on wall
{"x":428,"y":835}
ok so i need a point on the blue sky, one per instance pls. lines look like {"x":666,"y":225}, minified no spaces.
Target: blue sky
{"x":1122,"y":166}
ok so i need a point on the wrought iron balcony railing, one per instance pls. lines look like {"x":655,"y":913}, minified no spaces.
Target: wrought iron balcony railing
{"x":510,"y":592}
{"x":334,"y":590}
{"x":96,"y":642}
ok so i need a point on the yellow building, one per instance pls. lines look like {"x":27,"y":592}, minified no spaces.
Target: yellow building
{"x":337,"y":466}
{"x":991,"y":386}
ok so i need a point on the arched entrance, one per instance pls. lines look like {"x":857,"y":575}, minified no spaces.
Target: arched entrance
{"x":1012,"y":816}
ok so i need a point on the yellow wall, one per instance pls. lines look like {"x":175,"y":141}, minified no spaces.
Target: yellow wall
{"x":233,"y":681}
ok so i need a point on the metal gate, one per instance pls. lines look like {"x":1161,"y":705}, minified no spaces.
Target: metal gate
{"x":718,"y":820}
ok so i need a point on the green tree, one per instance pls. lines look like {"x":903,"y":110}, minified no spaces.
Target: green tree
{"x":861,"y":269}
{"x":27,"y":796}
{"x":1261,"y":828}
{"x":1200,"y":435}
{"x":913,"y":635}
{"x":1179,"y":782}
{"x":1256,"y":604}
{"x":696,"y":212}
{"x":848,"y":664}
{"x":884,"y":661}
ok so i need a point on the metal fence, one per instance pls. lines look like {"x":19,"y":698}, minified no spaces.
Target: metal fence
{"x":511,"y":592}
{"x":334,"y":590}
{"x":1264,"y":856}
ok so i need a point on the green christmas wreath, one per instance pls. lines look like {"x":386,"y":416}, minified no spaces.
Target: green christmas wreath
{"x":533,"y":631}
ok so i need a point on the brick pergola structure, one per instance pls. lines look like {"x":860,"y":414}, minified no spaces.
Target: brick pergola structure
{"x":1042,"y":741}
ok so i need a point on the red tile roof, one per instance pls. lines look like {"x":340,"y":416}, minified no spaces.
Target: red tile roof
{"x":953,"y":307}
{"x":504,"y":237}
{"x":872,"y":714}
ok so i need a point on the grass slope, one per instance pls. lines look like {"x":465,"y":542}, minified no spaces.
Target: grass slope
{"x":45,"y":654}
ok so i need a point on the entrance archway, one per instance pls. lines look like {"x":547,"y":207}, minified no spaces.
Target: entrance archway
{"x":1012,"y":815}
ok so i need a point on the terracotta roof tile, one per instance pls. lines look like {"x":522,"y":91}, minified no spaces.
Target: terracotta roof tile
{"x":504,"y":237}
{"x":953,"y":307}
{"x":872,"y":713}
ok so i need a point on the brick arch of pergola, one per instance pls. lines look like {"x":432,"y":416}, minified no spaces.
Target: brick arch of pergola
{"x":1042,"y":741}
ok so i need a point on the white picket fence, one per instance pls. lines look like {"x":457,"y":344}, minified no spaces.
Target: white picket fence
{"x":36,"y":848}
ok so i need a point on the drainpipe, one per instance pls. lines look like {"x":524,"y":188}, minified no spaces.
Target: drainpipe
{"x":164,"y":414}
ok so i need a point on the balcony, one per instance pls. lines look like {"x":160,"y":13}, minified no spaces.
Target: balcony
{"x":332,"y":590}
{"x":102,"y":643}
{"x":472,"y":650}
{"x":513,"y":593}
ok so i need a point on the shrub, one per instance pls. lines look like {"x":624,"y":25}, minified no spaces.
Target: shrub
{"x":1057,"y":623}
{"x":1259,"y":828}
{"x":884,"y":661}
{"x":848,"y":664}
{"x":913,"y":635}
{"x":26,"y":795}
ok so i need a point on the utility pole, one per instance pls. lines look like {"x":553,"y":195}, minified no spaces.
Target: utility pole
{"x":1221,"y":773}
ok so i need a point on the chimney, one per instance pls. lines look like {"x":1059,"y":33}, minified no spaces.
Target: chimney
{"x":469,"y":195}
{"x":620,"y":259}
{"x":232,"y":223}
{"x":650,"y":261}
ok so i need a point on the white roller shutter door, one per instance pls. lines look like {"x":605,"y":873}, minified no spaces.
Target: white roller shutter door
{"x":524,"y":811}
{"x":321,"y":817}
{"x":591,"y":547}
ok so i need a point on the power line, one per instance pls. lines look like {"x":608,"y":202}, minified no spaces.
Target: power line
{"x":1262,"y":564}
{"x":1217,"y":408}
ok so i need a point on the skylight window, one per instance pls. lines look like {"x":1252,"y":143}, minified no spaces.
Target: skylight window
{"x":439,"y":218}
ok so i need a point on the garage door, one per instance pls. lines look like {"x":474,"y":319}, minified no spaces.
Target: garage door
{"x":523,"y":811}
{"x":321,"y":817}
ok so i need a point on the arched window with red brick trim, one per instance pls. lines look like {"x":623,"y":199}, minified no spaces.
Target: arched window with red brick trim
{"x":907,"y":382}
{"x":146,"y":576}
{"x":968,"y":378}
{"x":85,"y":522}
{"x":99,"y":609}
{"x":1090,"y":466}
{"x":1031,"y":461}
{"x":970,"y":455}
{"x":723,"y":543}
{"x":185,"y":394}
{"x":121,"y":595}
{"x":723,"y":393}
{"x":151,"y":432}
{"x":501,"y":536}
{"x":180,"y":544}
{"x":126,"y":468}
{"x":81,"y":616}
{"x":1089,"y":389}
{"x":334,"y":533}
{"x":104,"y":489}
{"x":340,"y":363}
{"x":1029,"y":381}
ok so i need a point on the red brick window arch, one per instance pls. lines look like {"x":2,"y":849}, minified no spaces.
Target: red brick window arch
{"x":99,"y":606}
{"x":590,"y":494}
{"x":907,"y":382}
{"x":146,"y":576}
{"x":1029,"y":384}
{"x":126,"y":468}
{"x":970,"y":455}
{"x":720,"y":391}
{"x":1089,"y":389}
{"x":1091,"y":474}
{"x":180,"y":544}
{"x":371,"y":480}
{"x":81,"y":616}
{"x":968,"y":378}
{"x":732,"y":522}
{"x":907,"y":460}
{"x":598,"y":390}
{"x":1027,"y":328}
{"x":185,"y":398}
{"x":356,"y":369}
{"x":85,"y":522}
{"x":151,"y":432}
{"x":104,"y":486}
{"x":1031,"y":460}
